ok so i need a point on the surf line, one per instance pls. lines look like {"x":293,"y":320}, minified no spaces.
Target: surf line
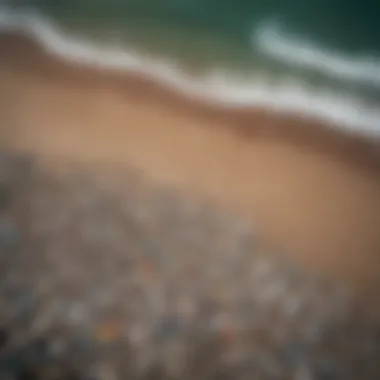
{"x":219,"y":87}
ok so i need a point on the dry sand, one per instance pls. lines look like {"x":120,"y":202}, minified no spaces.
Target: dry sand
{"x":310,"y":192}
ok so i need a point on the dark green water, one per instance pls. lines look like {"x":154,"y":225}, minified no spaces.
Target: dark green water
{"x":223,"y":32}
{"x":345,"y":25}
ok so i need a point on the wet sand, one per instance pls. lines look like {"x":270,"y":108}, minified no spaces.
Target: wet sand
{"x":310,"y":191}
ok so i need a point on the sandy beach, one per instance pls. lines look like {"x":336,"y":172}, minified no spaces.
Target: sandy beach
{"x":310,"y":191}
{"x":146,"y":235}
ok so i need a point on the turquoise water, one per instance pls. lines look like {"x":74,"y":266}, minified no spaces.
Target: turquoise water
{"x":325,"y":45}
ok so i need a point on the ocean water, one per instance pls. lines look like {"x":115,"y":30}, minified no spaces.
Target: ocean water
{"x":320,"y":58}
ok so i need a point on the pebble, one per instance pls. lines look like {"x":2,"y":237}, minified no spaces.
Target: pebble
{"x":4,"y":338}
{"x":168,"y":328}
{"x":9,"y":234}
{"x":156,"y":276}
{"x":110,"y":331}
{"x":5,"y":198}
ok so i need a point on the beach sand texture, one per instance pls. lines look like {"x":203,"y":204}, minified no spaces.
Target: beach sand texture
{"x":310,"y":192}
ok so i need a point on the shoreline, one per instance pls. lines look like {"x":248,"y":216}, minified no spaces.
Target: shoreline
{"x":338,"y":108}
{"x":300,"y":129}
{"x":311,"y":190}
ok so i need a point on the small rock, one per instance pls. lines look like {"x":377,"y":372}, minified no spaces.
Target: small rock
{"x":4,"y":198}
{"x":9,"y":235}
{"x":168,"y":328}
{"x":4,"y":338}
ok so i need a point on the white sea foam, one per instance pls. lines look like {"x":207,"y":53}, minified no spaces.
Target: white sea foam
{"x":218,"y":87}
{"x":272,"y":40}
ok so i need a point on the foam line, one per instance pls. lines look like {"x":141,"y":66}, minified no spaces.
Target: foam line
{"x":271,"y":40}
{"x":219,"y":87}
